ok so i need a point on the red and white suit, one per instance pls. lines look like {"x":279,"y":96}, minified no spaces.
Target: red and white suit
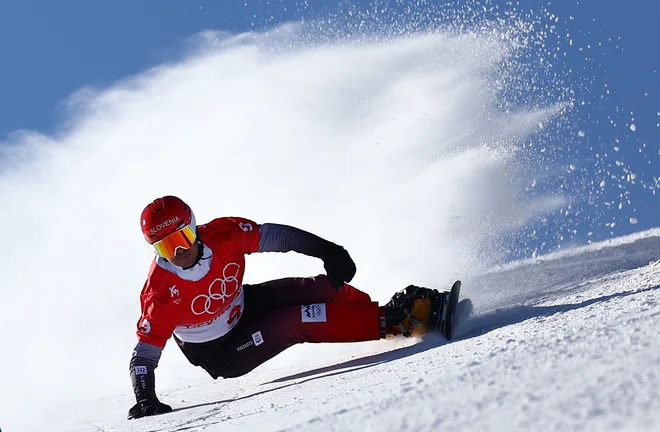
{"x":229,"y":328}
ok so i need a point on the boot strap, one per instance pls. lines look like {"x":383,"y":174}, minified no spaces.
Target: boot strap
{"x":404,"y":330}
{"x":412,"y":318}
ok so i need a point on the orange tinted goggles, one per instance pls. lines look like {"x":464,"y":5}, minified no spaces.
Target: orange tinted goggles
{"x":183,"y":238}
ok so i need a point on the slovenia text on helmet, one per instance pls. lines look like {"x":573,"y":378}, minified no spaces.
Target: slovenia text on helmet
{"x":165,"y":216}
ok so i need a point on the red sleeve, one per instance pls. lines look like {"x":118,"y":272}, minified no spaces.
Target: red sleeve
{"x":156,"y":324}
{"x":158,"y":319}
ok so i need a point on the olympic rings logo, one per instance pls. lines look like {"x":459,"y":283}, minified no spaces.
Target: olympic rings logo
{"x":229,"y":287}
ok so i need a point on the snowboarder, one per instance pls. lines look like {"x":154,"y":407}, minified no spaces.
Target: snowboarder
{"x":194,"y":293}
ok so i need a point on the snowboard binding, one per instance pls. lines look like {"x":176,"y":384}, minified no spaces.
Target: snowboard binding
{"x":442,"y":307}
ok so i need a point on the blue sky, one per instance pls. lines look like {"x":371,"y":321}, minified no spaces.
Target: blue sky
{"x":51,"y":49}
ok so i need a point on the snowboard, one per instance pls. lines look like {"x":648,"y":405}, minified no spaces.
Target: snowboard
{"x":445,"y":310}
{"x":449,"y":314}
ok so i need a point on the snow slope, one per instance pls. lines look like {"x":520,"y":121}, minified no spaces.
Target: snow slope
{"x":414,"y":152}
{"x":571,"y":343}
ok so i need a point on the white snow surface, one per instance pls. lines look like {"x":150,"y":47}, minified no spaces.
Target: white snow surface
{"x":397,"y":149}
{"x":568,"y":342}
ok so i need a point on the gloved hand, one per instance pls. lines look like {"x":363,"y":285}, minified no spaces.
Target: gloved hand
{"x":339,"y":266}
{"x":148,"y":407}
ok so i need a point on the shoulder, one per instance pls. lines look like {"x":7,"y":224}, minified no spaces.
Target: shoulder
{"x":236,"y":235}
{"x":228,"y":224}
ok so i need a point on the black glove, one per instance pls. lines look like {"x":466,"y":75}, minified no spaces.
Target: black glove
{"x":144,"y":387}
{"x":338,"y":264}
{"x":148,"y":407}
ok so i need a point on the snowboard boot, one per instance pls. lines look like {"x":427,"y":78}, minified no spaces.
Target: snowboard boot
{"x":410,"y":311}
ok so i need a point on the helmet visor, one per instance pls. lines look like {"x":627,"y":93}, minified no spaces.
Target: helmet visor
{"x":183,"y":238}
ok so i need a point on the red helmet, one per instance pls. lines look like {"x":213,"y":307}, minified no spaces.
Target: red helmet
{"x":164,"y":216}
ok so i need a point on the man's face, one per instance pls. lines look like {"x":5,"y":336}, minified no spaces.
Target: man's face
{"x":185,"y":257}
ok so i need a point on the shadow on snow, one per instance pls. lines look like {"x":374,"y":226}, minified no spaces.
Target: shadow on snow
{"x":552,"y":277}
{"x":484,"y":323}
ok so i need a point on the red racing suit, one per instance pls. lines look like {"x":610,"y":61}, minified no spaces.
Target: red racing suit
{"x":228,"y":328}
{"x":199,"y":307}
